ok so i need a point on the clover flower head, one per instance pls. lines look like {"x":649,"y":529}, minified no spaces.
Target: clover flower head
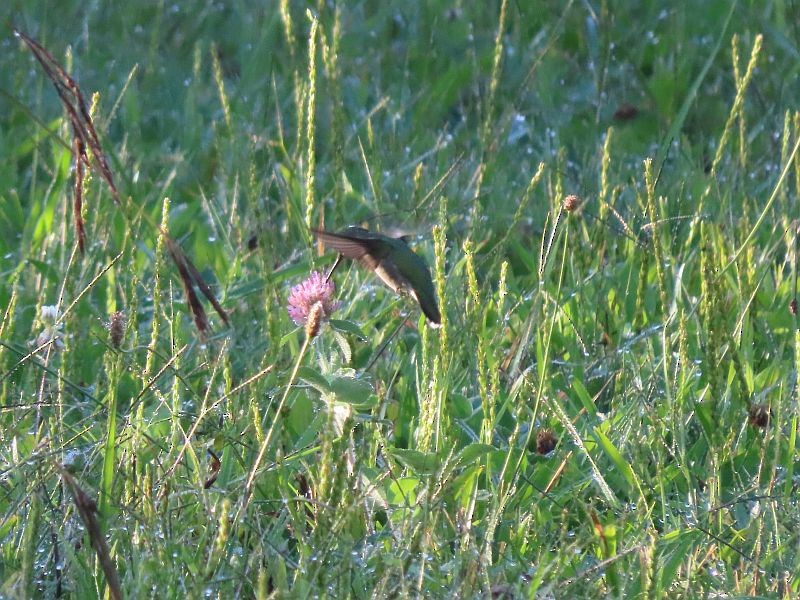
{"x":312,"y":298}
{"x":51,"y":332}
{"x":48,"y":314}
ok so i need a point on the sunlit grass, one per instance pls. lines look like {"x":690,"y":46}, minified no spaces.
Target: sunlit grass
{"x":607,"y":202}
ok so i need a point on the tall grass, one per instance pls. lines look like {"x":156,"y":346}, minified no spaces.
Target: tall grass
{"x":607,"y":199}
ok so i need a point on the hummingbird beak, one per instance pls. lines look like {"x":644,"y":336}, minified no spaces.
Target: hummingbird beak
{"x":333,"y":268}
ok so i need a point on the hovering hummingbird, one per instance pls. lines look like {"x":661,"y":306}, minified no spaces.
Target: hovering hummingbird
{"x":391,"y":259}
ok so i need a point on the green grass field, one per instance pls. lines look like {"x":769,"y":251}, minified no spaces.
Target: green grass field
{"x":610,"y":408}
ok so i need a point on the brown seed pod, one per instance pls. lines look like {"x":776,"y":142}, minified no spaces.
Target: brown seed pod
{"x":759,"y":416}
{"x":572,"y":203}
{"x":626,"y":112}
{"x":545,"y":441}
{"x":116,"y":328}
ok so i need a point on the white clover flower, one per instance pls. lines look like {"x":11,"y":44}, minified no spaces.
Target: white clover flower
{"x":51,"y":334}
{"x":48,"y":314}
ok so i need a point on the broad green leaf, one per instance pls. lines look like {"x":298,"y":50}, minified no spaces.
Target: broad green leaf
{"x":346,"y":326}
{"x":673,"y":550}
{"x":471,"y":454}
{"x":703,"y":412}
{"x":460,"y":406}
{"x":353,"y":391}
{"x":622,"y":465}
{"x":421,"y":463}
{"x":584,"y":397}
{"x":402,"y":491}
{"x":464,"y":485}
{"x":314,"y":378}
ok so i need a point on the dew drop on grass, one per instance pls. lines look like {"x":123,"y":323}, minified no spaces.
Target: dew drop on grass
{"x":519,"y":129}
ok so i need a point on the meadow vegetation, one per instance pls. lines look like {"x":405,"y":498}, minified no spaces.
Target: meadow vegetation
{"x":606,"y":193}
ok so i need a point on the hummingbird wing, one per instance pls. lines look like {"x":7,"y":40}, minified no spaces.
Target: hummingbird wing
{"x":354,"y":243}
{"x":347,"y":247}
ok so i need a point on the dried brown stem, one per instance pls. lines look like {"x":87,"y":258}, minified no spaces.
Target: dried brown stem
{"x":85,"y":136}
{"x":87,"y":508}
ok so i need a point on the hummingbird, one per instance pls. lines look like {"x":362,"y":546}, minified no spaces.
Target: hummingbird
{"x":391,"y":259}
